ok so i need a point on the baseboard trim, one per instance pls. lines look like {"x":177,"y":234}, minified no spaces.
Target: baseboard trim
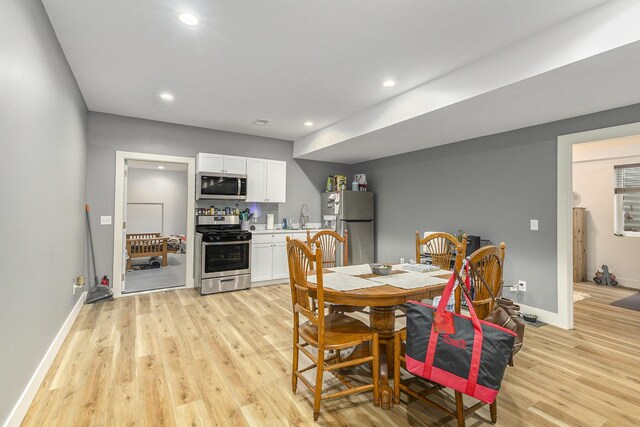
{"x":543,"y":315}
{"x":22,"y":406}
{"x":628,"y":283}
{"x":284,"y":280}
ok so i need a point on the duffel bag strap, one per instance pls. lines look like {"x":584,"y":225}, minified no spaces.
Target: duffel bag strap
{"x":476,"y":351}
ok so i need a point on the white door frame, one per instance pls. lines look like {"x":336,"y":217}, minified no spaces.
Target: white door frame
{"x":121,"y":158}
{"x":565,"y":216}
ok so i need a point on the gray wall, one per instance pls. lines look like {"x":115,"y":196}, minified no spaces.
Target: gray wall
{"x":110,"y":133}
{"x":490,"y":186}
{"x":42,"y":169}
{"x":160,"y":186}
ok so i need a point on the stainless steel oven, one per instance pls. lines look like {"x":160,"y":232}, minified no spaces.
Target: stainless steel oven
{"x":221,"y":259}
{"x":221,"y":186}
{"x":223,"y":255}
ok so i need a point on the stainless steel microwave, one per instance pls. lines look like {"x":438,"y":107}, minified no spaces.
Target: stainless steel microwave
{"x":221,"y":186}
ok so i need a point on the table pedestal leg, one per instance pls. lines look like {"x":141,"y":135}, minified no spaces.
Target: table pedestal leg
{"x":383,"y":321}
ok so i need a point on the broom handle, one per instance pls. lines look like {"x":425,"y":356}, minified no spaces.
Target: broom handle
{"x":93,"y":258}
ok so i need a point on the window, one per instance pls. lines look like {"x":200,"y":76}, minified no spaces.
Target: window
{"x":627,"y":200}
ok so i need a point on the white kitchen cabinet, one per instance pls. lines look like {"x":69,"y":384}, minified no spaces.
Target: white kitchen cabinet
{"x":280,"y":261}
{"x":235,"y":165}
{"x":210,"y":162}
{"x":261,"y":262}
{"x":256,"y":180}
{"x":269,"y":257}
{"x":218,"y":163}
{"x":266,"y":181}
{"x":276,"y":181}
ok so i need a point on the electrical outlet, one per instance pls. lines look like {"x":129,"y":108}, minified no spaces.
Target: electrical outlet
{"x":513,"y":288}
{"x":533,"y":224}
{"x":105,"y":220}
{"x":522,"y":286}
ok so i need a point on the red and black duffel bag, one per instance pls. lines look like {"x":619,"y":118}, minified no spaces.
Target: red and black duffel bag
{"x":464,"y":353}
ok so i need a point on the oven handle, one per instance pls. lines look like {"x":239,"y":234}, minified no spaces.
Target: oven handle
{"x":239,"y":242}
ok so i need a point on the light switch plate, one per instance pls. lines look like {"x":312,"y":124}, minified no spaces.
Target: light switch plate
{"x":534,"y":224}
{"x":105,"y":220}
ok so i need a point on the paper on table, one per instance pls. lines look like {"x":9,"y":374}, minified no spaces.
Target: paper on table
{"x":353,"y":270}
{"x":409,"y":280}
{"x":343,"y":282}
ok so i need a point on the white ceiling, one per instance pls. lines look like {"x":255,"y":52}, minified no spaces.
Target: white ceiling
{"x":288,"y":61}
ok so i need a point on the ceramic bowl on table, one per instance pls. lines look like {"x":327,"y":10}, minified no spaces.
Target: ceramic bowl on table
{"x":380,"y":269}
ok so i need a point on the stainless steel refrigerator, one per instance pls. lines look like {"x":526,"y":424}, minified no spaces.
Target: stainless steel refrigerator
{"x":352,"y":211}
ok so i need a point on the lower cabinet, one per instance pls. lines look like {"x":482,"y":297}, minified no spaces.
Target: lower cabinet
{"x":269,"y":259}
{"x":269,"y":255}
{"x":261,"y":262}
{"x":280,"y":261}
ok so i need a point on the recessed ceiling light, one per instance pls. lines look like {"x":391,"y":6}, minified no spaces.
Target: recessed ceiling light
{"x":261,"y":122}
{"x":188,"y":18}
{"x":389,"y":83}
{"x":160,"y":167}
{"x":166,"y":96}
{"x":308,"y":123}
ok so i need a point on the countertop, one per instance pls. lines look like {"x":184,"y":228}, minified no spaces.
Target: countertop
{"x":283,"y":231}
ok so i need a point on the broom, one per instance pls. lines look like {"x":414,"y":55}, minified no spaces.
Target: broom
{"x":97,"y":292}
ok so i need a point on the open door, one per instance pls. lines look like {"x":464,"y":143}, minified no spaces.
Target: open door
{"x":125,"y":256}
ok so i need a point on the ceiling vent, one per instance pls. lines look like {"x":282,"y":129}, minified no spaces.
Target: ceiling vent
{"x":261,"y":122}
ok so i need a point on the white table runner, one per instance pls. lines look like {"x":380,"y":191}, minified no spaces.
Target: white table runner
{"x":410,"y":280}
{"x":353,"y":270}
{"x":343,"y":282}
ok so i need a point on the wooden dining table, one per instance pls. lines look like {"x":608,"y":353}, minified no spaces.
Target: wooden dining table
{"x":382,"y":300}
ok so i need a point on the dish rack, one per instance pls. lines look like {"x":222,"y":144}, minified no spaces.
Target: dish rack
{"x":421,"y":268}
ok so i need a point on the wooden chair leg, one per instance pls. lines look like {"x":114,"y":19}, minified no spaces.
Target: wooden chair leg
{"x":294,"y":377}
{"x":375,"y":352}
{"x":459,"y":409}
{"x":319,"y":373}
{"x":493,"y":408}
{"x":296,"y":352}
{"x":397,"y":343}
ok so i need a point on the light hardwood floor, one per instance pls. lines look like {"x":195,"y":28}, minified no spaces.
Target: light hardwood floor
{"x":176,"y":358}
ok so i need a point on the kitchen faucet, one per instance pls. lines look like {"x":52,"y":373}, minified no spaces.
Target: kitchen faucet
{"x":304,"y":219}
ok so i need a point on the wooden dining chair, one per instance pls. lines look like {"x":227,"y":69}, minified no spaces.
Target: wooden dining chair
{"x":334,"y":331}
{"x":454,"y":407}
{"x":489,"y":263}
{"x":329,"y":242}
{"x":441,"y":247}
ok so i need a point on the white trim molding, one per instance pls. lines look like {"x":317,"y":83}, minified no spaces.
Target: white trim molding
{"x":22,"y":406}
{"x":564,"y":213}
{"x":121,"y":158}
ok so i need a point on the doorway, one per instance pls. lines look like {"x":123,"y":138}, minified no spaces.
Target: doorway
{"x":153,"y":226}
{"x":565,"y":202}
{"x":606,"y":211}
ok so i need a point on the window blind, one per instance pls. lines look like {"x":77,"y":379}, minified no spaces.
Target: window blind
{"x":627,"y":178}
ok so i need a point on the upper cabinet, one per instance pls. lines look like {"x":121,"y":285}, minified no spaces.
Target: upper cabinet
{"x":235,"y":165}
{"x":256,"y":180}
{"x":276,"y":181}
{"x":266,"y":181}
{"x":217,"y":163}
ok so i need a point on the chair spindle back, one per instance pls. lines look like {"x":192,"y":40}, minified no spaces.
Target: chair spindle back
{"x":301,"y":260}
{"x":329,"y":241}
